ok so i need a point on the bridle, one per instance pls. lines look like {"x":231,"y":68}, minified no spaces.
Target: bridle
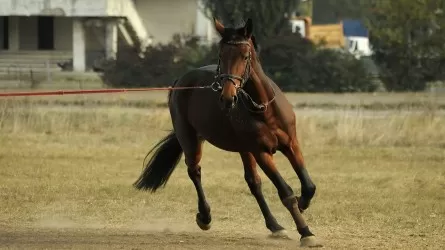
{"x":243,"y":79}
{"x":216,"y":85}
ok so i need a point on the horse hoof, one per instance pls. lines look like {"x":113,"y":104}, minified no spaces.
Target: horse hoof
{"x":201,"y":224}
{"x":302,"y":204}
{"x":280,"y":234}
{"x":310,"y":241}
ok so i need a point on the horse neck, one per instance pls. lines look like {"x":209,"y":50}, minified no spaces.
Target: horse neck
{"x":261,"y":90}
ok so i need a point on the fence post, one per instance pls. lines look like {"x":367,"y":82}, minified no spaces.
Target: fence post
{"x":31,"y":76}
{"x":48,"y":71}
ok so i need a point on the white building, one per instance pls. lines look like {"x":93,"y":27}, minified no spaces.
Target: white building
{"x":86,"y":30}
{"x":356,"y":38}
{"x":358,"y":46}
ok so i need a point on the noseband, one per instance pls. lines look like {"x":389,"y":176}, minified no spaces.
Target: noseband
{"x":243,"y":79}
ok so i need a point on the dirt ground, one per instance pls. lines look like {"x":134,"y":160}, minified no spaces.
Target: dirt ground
{"x":126,"y":239}
{"x":48,"y":238}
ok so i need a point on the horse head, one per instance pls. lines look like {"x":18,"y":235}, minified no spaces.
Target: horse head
{"x":235,"y":60}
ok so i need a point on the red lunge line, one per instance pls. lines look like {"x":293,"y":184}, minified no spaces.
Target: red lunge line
{"x":91,"y":91}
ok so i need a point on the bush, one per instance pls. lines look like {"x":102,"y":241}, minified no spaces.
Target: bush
{"x":296,"y":64}
{"x":399,"y":73}
{"x":159,"y":66}
{"x":400,"y":70}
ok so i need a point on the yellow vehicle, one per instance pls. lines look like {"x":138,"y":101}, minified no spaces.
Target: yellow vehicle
{"x":330,"y":34}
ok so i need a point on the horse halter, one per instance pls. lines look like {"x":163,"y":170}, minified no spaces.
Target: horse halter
{"x":243,"y":79}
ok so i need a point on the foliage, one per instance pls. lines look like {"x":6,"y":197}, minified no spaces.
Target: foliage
{"x":305,"y":8}
{"x":160,"y":64}
{"x":296,"y":64}
{"x":270,"y":17}
{"x":408,"y":44}
{"x":332,"y":11}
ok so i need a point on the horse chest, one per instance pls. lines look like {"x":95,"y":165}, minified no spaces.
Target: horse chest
{"x":236,"y":131}
{"x":255,"y":135}
{"x":266,"y":138}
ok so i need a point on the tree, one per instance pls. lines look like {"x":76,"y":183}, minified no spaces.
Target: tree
{"x":270,"y":17}
{"x":408,"y":44}
{"x":333,"y":11}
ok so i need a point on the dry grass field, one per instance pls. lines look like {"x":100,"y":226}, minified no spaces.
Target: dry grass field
{"x":67,"y":165}
{"x":375,"y":101}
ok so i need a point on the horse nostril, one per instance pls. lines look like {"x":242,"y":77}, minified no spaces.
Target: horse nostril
{"x":235,"y":99}
{"x":228,"y":102}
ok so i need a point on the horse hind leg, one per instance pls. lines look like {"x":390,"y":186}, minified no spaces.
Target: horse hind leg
{"x":253,"y":180}
{"x":203,"y":217}
{"x":192,"y":147}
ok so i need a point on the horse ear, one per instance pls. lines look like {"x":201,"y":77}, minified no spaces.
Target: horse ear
{"x":255,"y":44}
{"x":248,"y":28}
{"x":219,"y":26}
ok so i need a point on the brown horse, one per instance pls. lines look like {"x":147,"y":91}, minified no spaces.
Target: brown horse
{"x":246,"y":113}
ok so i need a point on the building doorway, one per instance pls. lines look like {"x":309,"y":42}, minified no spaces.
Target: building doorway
{"x":45,"y":31}
{"x":5,"y":32}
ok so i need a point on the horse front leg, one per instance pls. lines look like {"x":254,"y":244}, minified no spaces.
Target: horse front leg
{"x":265,"y":160}
{"x":253,"y":180}
{"x":294,"y":155}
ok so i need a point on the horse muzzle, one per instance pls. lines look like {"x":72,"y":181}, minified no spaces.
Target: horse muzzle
{"x":228,"y":103}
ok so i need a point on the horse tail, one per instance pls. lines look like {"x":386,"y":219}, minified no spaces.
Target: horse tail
{"x":159,"y":168}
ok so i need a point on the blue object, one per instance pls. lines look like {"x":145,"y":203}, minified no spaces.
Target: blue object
{"x":353,"y":27}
